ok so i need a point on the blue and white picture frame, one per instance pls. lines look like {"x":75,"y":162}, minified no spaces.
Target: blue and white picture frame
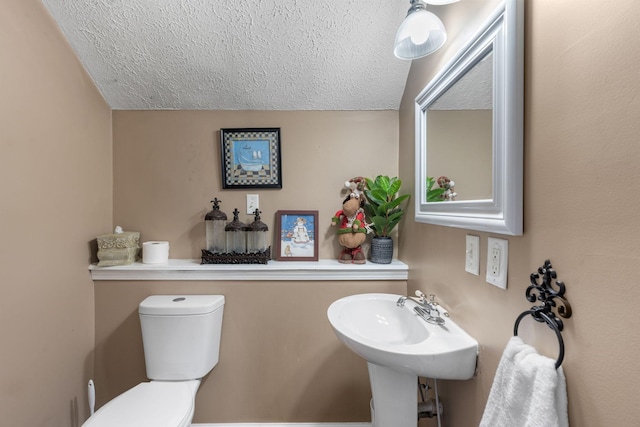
{"x":251,"y":158}
{"x":296,"y":236}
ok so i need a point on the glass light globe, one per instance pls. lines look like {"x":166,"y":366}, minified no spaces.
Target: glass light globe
{"x":420,"y":34}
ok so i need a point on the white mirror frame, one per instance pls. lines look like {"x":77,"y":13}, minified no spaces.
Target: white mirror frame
{"x":502,"y":34}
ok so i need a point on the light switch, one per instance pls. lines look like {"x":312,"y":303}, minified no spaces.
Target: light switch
{"x":472,"y":256}
{"x":253,"y":203}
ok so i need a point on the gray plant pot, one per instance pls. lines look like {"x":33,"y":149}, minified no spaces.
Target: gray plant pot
{"x":381,"y":250}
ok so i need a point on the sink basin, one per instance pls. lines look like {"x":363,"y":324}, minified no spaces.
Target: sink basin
{"x":400,"y":346}
{"x":375,"y":328}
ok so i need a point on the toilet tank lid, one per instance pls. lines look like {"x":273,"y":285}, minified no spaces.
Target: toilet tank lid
{"x":176,"y":305}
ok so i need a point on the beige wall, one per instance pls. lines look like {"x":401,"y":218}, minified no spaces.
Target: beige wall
{"x":167,"y":168}
{"x":55,"y":192}
{"x":280,"y":361}
{"x":581,"y":181}
{"x":581,"y":210}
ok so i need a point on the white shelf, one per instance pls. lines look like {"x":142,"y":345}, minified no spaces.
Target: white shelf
{"x":191,"y":269}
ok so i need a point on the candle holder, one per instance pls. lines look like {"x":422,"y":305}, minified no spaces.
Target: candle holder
{"x":245,"y":244}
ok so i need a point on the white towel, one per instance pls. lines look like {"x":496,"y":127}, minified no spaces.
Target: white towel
{"x":527,"y":390}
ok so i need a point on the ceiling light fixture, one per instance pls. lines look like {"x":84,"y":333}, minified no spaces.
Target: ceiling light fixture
{"x":421,"y":33}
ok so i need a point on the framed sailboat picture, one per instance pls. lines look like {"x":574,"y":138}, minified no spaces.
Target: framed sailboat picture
{"x":251,"y":158}
{"x":296,"y":236}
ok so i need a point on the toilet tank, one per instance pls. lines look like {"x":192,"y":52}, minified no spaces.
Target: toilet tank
{"x":181,"y":335}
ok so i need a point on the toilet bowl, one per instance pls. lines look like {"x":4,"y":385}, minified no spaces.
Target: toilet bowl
{"x":176,"y":356}
{"x":149,"y":404}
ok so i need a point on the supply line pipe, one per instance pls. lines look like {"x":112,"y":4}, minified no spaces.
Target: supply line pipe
{"x":91,"y":394}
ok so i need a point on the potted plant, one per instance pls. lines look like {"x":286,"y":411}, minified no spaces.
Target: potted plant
{"x":383,"y":212}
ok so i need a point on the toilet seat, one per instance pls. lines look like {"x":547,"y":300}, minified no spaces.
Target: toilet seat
{"x":149,"y":404}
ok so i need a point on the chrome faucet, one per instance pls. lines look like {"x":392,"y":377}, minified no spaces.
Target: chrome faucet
{"x":419,"y":299}
{"x":427,"y":308}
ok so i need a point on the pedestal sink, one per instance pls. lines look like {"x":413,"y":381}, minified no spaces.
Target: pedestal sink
{"x":399,"y":346}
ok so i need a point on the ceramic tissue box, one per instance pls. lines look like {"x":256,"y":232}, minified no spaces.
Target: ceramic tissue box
{"x":119,"y":248}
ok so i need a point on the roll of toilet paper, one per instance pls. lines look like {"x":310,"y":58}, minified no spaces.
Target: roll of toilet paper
{"x":155,"y":252}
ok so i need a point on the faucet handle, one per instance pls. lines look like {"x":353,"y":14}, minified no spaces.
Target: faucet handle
{"x":422,"y":298}
{"x":437,"y":306}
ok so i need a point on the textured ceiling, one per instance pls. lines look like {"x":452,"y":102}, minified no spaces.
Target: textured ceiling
{"x":238,"y":55}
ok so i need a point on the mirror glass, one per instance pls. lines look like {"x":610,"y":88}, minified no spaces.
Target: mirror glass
{"x":460,"y":133}
{"x":469,"y":122}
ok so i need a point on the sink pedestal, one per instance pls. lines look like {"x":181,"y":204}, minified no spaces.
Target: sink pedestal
{"x":395,"y":397}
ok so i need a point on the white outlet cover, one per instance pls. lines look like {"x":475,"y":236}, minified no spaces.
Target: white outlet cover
{"x":472,"y":255}
{"x":497,"y":262}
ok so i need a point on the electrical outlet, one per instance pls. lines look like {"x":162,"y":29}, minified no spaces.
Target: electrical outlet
{"x":253,"y":203}
{"x":472,"y":257}
{"x":497,"y":262}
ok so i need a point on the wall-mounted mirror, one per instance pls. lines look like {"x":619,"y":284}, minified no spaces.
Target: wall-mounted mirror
{"x":469,"y":129}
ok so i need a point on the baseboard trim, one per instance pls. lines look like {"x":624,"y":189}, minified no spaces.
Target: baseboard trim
{"x":284,"y":425}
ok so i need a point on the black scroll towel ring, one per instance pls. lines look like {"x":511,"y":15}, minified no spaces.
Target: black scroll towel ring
{"x":547,"y":295}
{"x":552,"y":324}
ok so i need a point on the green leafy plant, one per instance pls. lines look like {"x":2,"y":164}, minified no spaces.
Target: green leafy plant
{"x":383,"y":208}
{"x":434,"y":194}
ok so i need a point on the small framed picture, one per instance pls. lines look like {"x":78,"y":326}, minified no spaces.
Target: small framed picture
{"x":296,"y":236}
{"x":251,"y":158}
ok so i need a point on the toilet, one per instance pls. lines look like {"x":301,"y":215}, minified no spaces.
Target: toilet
{"x":181,"y":339}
